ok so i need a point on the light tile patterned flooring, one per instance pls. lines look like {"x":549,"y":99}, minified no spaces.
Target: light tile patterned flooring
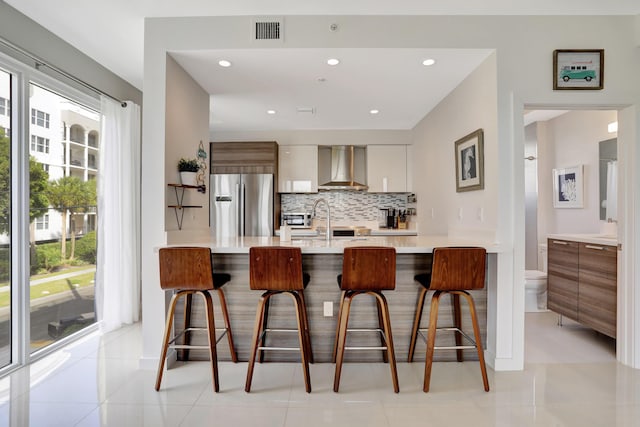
{"x":571,"y":378}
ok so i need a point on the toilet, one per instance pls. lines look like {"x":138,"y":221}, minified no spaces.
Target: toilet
{"x":535,"y":284}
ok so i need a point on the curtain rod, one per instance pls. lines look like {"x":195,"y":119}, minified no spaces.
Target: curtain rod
{"x":39,"y":62}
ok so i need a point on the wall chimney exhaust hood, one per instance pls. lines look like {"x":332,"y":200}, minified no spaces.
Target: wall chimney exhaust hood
{"x":341,"y":167}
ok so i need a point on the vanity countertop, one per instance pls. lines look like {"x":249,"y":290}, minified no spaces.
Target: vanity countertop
{"x":596,"y":239}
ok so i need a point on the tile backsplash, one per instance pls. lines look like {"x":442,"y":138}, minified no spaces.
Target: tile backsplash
{"x":345,"y":205}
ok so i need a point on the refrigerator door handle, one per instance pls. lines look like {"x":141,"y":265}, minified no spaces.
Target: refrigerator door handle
{"x":241,"y":213}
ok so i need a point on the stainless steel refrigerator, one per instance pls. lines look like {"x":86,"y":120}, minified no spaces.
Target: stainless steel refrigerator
{"x":241,"y":205}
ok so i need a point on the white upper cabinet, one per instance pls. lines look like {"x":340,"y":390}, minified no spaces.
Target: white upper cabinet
{"x":298,"y":169}
{"x":387,"y":168}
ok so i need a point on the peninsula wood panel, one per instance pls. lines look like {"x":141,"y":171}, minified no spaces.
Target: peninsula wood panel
{"x":562,"y":276}
{"x":597,"y":295}
{"x":323,"y":269}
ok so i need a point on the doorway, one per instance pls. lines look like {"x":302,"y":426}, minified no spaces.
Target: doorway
{"x":562,"y":139}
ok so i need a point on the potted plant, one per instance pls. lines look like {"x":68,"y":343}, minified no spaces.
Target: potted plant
{"x":188,"y":169}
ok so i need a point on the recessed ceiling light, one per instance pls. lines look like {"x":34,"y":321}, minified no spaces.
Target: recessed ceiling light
{"x":333,"y":61}
{"x":271,"y":111}
{"x":374,"y":111}
{"x":224,"y":63}
{"x":428,"y":62}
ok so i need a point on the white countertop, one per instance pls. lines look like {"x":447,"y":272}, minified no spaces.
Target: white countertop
{"x":403,"y":244}
{"x":596,"y":239}
{"x":311,"y":232}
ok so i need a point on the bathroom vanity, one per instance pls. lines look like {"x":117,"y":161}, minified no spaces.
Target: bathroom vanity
{"x":582,"y":280}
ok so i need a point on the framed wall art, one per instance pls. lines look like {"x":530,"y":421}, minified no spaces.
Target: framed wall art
{"x":581,"y":69}
{"x":469,"y":153}
{"x":567,"y":187}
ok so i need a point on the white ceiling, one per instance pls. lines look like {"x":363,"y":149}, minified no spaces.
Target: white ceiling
{"x":112,"y":33}
{"x":393,"y":81}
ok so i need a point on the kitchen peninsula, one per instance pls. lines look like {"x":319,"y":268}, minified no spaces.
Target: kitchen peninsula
{"x":322,"y":260}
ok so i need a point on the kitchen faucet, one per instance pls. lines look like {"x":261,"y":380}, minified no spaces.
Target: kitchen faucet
{"x":313,"y":214}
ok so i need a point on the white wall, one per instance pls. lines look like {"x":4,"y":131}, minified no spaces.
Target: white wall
{"x":570,"y":140}
{"x":186,"y":124}
{"x":523,"y":64}
{"x":472,"y":105}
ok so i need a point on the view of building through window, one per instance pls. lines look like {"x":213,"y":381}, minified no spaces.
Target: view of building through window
{"x":63,"y":141}
{"x":63,"y":216}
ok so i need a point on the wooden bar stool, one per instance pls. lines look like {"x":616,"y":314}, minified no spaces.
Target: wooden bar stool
{"x":366,"y":270}
{"x":278,"y":270}
{"x":188,"y":271}
{"x":454,"y":271}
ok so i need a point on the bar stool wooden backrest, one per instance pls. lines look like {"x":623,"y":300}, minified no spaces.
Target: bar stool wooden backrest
{"x":186,"y":268}
{"x":458,"y":269}
{"x":454,"y":270}
{"x":275,"y":268}
{"x":278,"y":270}
{"x":188,"y":271}
{"x":367,"y":268}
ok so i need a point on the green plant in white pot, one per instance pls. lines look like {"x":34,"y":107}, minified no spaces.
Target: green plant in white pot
{"x":188,"y":169}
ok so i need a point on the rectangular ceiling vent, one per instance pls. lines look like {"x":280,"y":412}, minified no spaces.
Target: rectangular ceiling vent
{"x":268,"y":29}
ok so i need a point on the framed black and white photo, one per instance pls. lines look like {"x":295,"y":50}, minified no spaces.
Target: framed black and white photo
{"x":578,"y":69}
{"x":567,"y":187}
{"x":469,"y":152}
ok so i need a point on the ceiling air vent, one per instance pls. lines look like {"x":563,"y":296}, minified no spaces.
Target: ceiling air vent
{"x":268,"y":29}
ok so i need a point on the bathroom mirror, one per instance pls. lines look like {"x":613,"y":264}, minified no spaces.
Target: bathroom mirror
{"x":608,"y":174}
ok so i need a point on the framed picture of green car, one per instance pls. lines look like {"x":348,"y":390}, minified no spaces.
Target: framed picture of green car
{"x":581,"y":69}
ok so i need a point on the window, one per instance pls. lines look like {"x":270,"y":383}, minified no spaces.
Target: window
{"x":77,"y":134}
{"x":5,"y":107}
{"x":6,"y":238}
{"x":39,"y":144}
{"x":39,"y":118}
{"x":62,"y":221}
{"x":93,"y":139}
{"x":42,"y":223}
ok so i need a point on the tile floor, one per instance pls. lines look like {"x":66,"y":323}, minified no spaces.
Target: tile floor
{"x":571,"y":378}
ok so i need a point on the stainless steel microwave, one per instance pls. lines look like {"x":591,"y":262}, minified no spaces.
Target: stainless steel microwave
{"x":296,"y":219}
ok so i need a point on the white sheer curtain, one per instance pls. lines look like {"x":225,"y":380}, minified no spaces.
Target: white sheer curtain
{"x":612,"y":190}
{"x":118,"y":272}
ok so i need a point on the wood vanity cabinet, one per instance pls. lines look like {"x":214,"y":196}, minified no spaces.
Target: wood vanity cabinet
{"x":562,"y":277}
{"x":582,"y":283}
{"x":597,"y":292}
